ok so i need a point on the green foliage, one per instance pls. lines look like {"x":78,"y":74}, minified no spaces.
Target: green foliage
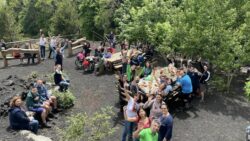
{"x":65,"y":20}
{"x":65,"y":99}
{"x":51,"y":78}
{"x":88,"y":127}
{"x":214,"y":30}
{"x":97,"y":15}
{"x":218,"y":84}
{"x":247,"y":89}
{"x":33,"y":75}
{"x":9,"y":28}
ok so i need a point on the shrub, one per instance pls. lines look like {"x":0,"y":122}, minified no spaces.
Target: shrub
{"x":33,"y":75}
{"x":51,"y":78}
{"x":90,"y":128}
{"x":247,"y":89}
{"x":65,"y":99}
{"x":218,"y":84}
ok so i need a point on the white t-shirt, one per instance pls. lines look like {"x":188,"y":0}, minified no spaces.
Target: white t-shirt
{"x":53,"y":43}
{"x":42,"y":41}
{"x":130,"y":108}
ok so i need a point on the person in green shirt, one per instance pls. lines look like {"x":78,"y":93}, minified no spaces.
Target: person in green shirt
{"x":148,"y":134}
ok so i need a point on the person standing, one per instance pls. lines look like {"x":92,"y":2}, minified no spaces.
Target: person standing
{"x":52,"y":46}
{"x":154,"y":105}
{"x":58,"y":57}
{"x":148,"y":134}
{"x":166,"y":121}
{"x":2,"y":45}
{"x":111,"y":38}
{"x":205,"y":76}
{"x":42,"y":44}
{"x":130,"y":112}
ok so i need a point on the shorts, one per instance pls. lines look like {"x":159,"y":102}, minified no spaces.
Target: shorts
{"x":203,"y":87}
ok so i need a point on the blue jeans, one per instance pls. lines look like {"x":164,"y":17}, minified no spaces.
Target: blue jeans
{"x":42,"y":51}
{"x":33,"y":126}
{"x":128,"y":130}
{"x":64,"y":84}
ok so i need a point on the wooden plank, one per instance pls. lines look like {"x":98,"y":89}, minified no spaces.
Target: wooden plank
{"x":76,"y":47}
{"x":18,"y":50}
{"x":118,"y":66}
{"x":79,"y":41}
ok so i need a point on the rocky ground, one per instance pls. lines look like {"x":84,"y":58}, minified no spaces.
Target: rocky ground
{"x":220,"y":118}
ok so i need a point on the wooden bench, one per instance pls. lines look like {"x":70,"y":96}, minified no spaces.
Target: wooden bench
{"x":75,"y":45}
{"x":18,"y":50}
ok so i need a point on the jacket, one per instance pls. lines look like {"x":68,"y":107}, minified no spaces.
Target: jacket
{"x":18,"y":119}
{"x":31,"y":102}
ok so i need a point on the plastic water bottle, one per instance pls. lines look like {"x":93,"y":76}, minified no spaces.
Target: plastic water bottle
{"x":248,"y":133}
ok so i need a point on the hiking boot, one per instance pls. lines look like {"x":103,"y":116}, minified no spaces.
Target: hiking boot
{"x":50,"y":115}
{"x":57,"y":110}
{"x":45,"y":125}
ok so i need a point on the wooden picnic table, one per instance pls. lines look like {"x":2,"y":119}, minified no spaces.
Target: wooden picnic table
{"x":117,"y":57}
{"x":149,"y":87}
{"x":19,"y":50}
{"x":149,"y":84}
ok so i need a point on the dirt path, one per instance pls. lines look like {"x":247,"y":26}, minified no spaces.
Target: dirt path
{"x":220,"y":118}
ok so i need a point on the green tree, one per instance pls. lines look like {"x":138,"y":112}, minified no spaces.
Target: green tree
{"x":9,"y":28}
{"x":65,"y":20}
{"x":35,"y":15}
{"x":97,"y":16}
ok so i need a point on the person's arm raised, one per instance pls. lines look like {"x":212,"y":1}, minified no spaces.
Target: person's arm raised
{"x":126,"y":93}
{"x":136,"y":134}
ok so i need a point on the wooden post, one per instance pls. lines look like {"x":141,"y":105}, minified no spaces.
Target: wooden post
{"x":5,"y":61}
{"x":30,"y":47}
{"x":38,"y":56}
{"x":70,"y":49}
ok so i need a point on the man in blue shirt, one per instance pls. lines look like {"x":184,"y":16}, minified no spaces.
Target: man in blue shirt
{"x":186,"y":87}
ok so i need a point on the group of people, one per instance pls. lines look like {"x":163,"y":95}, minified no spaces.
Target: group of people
{"x":146,"y":113}
{"x":56,"y":48}
{"x":40,"y":104}
{"x":40,"y":107}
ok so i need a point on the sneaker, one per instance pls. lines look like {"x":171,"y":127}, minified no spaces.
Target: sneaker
{"x":45,"y":125}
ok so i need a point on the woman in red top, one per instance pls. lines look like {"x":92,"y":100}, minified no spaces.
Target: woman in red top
{"x":142,"y":120}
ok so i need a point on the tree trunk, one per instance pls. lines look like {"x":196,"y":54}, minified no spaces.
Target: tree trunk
{"x":229,"y":81}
